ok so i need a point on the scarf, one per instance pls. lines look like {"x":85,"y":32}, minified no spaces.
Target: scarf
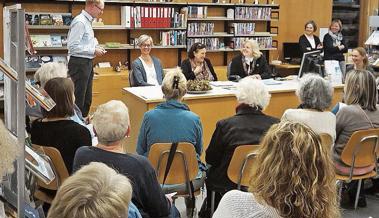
{"x":205,"y":74}
{"x":337,"y":38}
{"x":248,"y":65}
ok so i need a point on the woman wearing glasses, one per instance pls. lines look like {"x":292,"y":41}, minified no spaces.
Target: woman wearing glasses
{"x":197,"y":66}
{"x":147,"y":70}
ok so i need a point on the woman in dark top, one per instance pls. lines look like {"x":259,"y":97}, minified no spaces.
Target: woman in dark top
{"x":335,"y":45}
{"x":308,"y":41}
{"x":245,"y":128}
{"x":250,"y":62}
{"x":197,"y":66}
{"x":56,"y":129}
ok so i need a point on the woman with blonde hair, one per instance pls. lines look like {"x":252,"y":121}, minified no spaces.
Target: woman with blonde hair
{"x":147,"y":69}
{"x":360,"y":61}
{"x":251,"y":61}
{"x":294,"y":178}
{"x":94,"y":191}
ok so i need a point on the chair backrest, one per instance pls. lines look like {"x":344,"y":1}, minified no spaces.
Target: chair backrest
{"x":183,"y":165}
{"x":241,"y":165}
{"x":326,"y":140}
{"x":362,"y":148}
{"x":58,"y":165}
{"x":131,"y":79}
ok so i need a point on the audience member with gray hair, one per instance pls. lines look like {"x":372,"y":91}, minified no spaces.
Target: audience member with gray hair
{"x":94,"y":191}
{"x":315,"y":94}
{"x":46,"y":72}
{"x":245,"y":128}
{"x":147,"y":69}
{"x":112,"y":126}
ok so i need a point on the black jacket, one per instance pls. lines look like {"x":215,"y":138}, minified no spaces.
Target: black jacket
{"x":245,"y":128}
{"x":331,"y":52}
{"x":190,"y":75}
{"x":261,"y":67}
{"x":305,"y":45}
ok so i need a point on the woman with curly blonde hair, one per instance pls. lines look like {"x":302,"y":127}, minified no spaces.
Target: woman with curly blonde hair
{"x":294,"y":178}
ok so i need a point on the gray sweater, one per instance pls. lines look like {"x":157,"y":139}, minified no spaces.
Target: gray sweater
{"x":349,"y":119}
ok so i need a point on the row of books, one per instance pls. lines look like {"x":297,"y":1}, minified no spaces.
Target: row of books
{"x":57,"y":19}
{"x":36,"y":61}
{"x":49,"y":40}
{"x":210,"y":43}
{"x":259,"y":13}
{"x":173,"y":37}
{"x":153,"y":17}
{"x":200,"y":28}
{"x":243,"y":28}
{"x":264,"y":42}
{"x":197,"y":11}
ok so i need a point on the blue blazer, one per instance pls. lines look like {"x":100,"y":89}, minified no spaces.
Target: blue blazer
{"x":139,"y":73}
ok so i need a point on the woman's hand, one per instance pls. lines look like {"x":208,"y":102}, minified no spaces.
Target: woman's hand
{"x":197,"y":70}
{"x":256,"y":76}
{"x":341,"y":47}
{"x":319,"y":46}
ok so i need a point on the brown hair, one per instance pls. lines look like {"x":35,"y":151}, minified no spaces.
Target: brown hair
{"x":195,"y":48}
{"x":363,"y":53}
{"x":360,"y":88}
{"x":312,"y":23}
{"x":61,"y":90}
{"x":295,"y":173}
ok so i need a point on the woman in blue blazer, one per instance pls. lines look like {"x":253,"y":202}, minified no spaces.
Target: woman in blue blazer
{"x":146,"y":69}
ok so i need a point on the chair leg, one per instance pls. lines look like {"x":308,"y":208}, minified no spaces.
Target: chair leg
{"x":213,"y":202}
{"x":339,"y":186}
{"x":357,"y":195}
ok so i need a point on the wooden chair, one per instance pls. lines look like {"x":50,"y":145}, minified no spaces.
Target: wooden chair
{"x":360,"y":151}
{"x":184,"y":167}
{"x":59,"y":169}
{"x":326,"y":140}
{"x":240,"y":167}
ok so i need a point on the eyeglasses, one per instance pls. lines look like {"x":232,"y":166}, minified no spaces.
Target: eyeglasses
{"x":101,"y":9}
{"x":146,"y":45}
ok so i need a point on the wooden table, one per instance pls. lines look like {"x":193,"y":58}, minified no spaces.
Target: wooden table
{"x":218,"y":104}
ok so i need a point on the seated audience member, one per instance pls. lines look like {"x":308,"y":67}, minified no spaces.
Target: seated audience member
{"x":360,"y":61}
{"x":56,"y":129}
{"x":315,"y":95}
{"x":359,"y":112}
{"x":197,"y":66}
{"x":46,"y":72}
{"x":111,"y":124}
{"x":294,"y":177}
{"x":250,"y":62}
{"x":245,"y":128}
{"x":94,"y":191}
{"x":147,"y":69}
{"x":9,"y":151}
{"x":309,"y":41}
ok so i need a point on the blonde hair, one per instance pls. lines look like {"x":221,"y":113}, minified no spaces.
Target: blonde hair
{"x":168,"y":88}
{"x":49,"y":71}
{"x":143,"y":38}
{"x":9,"y":151}
{"x":295,"y":173}
{"x":362,"y":52}
{"x":254,"y":48}
{"x":94,"y":191}
{"x":252,"y":92}
{"x":360,"y":88}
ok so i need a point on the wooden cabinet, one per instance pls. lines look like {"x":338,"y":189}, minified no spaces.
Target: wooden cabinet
{"x":108,"y":85}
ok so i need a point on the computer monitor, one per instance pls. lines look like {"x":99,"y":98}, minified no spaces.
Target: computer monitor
{"x":291,"y":52}
{"x":311,"y":62}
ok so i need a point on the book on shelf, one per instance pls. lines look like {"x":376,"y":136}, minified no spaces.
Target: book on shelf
{"x":173,"y":38}
{"x":243,"y":28}
{"x":67,"y":19}
{"x":202,"y":28}
{"x":56,"y":40}
{"x":258,"y":13}
{"x":57,"y":19}
{"x":49,"y":40}
{"x":45,"y":19}
{"x":36,"y":61}
{"x":210,"y":43}
{"x":197,"y":11}
{"x":263,"y":42}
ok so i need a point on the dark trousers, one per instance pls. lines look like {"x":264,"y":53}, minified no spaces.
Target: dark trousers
{"x":81,"y":72}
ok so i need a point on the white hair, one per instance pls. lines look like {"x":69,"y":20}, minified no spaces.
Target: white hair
{"x":49,"y":71}
{"x":8,"y":151}
{"x":143,"y":38}
{"x":254,"y":47}
{"x":252,"y":92}
{"x":111,"y":122}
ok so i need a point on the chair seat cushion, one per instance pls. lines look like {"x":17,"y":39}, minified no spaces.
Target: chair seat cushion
{"x":182,"y":188}
{"x":345,"y":170}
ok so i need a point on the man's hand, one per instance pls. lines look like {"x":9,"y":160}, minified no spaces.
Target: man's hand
{"x":100,"y":51}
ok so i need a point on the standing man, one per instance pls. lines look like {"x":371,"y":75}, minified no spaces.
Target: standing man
{"x":82,"y":48}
